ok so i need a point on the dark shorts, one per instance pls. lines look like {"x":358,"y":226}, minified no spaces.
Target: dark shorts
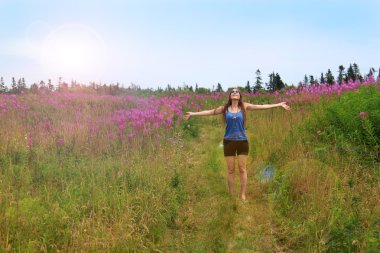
{"x":231,"y":148}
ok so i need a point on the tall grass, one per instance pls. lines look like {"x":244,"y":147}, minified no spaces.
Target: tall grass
{"x":323,"y":198}
{"x":72,"y":179}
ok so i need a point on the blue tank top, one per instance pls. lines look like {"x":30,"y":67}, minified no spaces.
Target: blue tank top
{"x":235,"y":126}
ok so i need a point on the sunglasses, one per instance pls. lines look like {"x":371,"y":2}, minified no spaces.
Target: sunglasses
{"x":235,"y":92}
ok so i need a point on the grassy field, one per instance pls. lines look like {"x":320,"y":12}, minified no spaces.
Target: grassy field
{"x":173,"y":196}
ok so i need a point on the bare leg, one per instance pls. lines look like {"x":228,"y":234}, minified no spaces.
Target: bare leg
{"x":243,"y":175}
{"x":230,"y":172}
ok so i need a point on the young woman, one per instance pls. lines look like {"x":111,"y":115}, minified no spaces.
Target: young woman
{"x":235,"y":141}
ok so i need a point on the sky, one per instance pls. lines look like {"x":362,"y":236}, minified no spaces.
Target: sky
{"x":185,"y":42}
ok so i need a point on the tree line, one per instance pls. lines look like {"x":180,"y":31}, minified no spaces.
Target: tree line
{"x":274,"y":83}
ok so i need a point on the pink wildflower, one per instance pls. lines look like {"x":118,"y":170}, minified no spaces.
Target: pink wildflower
{"x":59,"y":140}
{"x":363,"y":115}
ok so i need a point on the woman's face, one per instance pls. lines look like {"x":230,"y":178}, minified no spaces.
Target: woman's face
{"x":235,"y":94}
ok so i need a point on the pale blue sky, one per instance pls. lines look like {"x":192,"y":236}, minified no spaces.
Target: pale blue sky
{"x":153,"y":43}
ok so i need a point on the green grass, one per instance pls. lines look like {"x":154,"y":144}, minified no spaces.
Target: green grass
{"x":174,"y":197}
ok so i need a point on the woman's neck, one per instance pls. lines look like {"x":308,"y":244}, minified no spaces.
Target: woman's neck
{"x":235,"y":104}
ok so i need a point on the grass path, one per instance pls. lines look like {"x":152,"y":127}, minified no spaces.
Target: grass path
{"x":213,"y":220}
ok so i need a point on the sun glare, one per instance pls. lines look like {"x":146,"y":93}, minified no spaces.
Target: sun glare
{"x":74,"y":51}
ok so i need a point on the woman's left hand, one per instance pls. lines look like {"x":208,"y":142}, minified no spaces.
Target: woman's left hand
{"x":285,"y":106}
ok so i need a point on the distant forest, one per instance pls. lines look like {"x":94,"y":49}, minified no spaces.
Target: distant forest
{"x":274,"y":83}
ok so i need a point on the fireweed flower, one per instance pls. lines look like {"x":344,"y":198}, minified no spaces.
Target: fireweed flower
{"x":363,"y":115}
{"x":30,"y":141}
{"x":59,"y":140}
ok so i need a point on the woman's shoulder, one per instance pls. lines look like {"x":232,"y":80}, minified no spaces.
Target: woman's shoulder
{"x":245,"y":104}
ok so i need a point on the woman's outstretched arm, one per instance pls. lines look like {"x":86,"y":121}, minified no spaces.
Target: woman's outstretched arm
{"x":215,"y":111}
{"x":269,"y":106}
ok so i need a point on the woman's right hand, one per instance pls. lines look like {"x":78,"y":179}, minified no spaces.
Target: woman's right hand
{"x":188,"y":115}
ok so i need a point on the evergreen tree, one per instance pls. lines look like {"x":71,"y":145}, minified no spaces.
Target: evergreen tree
{"x":305,"y":80}
{"x":323,"y":80}
{"x":373,"y":72}
{"x":23,"y":83}
{"x":258,"y":84}
{"x":341,"y":74}
{"x":34,"y":88}
{"x":312,"y":81}
{"x":358,"y":75}
{"x":278,"y":83}
{"x":270,"y":86}
{"x":329,"y":77}
{"x":275,"y":82}
{"x":196,"y":87}
{"x":42,"y":85}
{"x":370,"y":73}
{"x":356,"y":70}
{"x":3,"y":88}
{"x":50,"y":85}
{"x":59,"y":83}
{"x":247,"y":88}
{"x":219,"y":88}
{"x":350,"y":74}
{"x":21,"y":86}
{"x":14,"y":85}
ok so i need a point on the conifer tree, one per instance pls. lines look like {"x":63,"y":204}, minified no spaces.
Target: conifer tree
{"x":34,"y":88}
{"x":341,"y":74}
{"x":50,"y":85}
{"x":329,"y":77}
{"x":305,"y":80}
{"x":350,"y":74}
{"x":14,"y":85}
{"x":247,"y":88}
{"x":3,"y":88}
{"x":323,"y":80}
{"x":42,"y":85}
{"x":23,"y":83}
{"x":374,"y":72}
{"x":357,"y":73}
{"x":19,"y":85}
{"x":270,"y":86}
{"x":356,"y":70}
{"x":312,"y":81}
{"x":219,"y":88}
{"x":258,"y":84}
{"x":371,"y":72}
{"x":278,"y":83}
{"x":59,"y":85}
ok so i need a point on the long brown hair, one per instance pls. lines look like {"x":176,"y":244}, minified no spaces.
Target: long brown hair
{"x":229,"y":102}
